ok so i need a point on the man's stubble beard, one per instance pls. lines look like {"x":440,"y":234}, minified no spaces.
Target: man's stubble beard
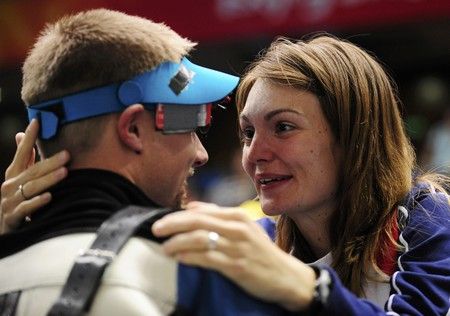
{"x":182,"y":197}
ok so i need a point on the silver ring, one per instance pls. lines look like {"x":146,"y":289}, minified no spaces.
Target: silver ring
{"x":213,"y":238}
{"x":21,"y":192}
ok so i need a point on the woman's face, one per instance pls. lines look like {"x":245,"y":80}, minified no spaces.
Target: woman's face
{"x":289,"y":150}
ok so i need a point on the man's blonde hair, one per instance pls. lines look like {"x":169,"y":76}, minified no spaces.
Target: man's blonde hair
{"x":88,"y":50}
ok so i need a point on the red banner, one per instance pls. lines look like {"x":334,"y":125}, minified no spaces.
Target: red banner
{"x":214,"y":20}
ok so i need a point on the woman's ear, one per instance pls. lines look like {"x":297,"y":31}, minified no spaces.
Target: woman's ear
{"x":129,"y":127}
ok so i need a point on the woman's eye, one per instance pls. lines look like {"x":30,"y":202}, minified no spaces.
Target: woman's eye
{"x":247,"y":134}
{"x":283,"y":127}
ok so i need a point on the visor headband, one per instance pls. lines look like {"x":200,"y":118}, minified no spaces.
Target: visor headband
{"x":181,"y":83}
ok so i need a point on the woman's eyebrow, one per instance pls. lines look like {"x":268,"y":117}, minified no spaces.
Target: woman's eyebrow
{"x":243,"y":117}
{"x":273,"y":113}
{"x":268,"y":116}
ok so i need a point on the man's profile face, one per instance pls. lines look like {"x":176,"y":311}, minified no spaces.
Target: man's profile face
{"x":168,"y":162}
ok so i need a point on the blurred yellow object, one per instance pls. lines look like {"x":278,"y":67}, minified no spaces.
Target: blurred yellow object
{"x":253,"y":209}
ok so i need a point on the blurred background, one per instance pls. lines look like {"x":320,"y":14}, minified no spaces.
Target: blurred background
{"x":410,"y":37}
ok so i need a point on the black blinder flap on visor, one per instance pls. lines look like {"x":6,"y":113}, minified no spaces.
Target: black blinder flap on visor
{"x":175,"y":118}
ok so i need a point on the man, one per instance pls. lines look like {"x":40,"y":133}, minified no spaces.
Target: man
{"x":119,"y":94}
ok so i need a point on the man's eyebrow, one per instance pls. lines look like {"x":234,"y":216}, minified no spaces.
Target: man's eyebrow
{"x":273,"y":113}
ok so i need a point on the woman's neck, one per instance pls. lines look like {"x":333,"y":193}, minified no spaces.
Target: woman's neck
{"x":314,"y":227}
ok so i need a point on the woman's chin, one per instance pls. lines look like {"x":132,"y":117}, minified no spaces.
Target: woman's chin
{"x":271,"y":210}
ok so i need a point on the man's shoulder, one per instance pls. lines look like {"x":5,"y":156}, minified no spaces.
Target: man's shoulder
{"x":139,"y":278}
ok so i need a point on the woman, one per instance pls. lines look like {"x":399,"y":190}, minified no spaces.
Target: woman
{"x":325,"y":146}
{"x":324,"y":143}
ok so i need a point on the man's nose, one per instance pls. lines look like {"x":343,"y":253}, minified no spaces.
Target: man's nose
{"x":201,"y":153}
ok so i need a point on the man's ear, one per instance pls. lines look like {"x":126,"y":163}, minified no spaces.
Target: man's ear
{"x":130,"y":128}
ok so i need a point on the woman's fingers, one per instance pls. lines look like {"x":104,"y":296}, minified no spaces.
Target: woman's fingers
{"x":201,"y":241}
{"x":22,"y":191}
{"x":192,"y":241}
{"x":22,"y":210}
{"x":197,"y":215}
{"x":25,"y":150}
{"x":194,"y":204}
{"x":43,"y":174}
{"x":181,"y":222}
{"x":228,"y":213}
{"x":194,"y":248}
{"x":22,"y":195}
{"x":36,"y":185}
{"x":196,"y":234}
{"x":19,"y":137}
{"x":225,"y":240}
{"x":35,"y":179}
{"x":215,"y":260}
{"x":28,"y":207}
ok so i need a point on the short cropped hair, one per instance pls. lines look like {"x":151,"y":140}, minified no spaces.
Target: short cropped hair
{"x":92,"y":49}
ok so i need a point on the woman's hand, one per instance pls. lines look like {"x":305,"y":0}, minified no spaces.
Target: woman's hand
{"x":22,"y":193}
{"x":243,"y":252}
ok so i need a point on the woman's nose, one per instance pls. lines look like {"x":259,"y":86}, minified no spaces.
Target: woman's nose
{"x":258,"y":150}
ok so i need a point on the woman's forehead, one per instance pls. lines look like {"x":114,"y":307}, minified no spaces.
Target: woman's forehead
{"x":266,"y":97}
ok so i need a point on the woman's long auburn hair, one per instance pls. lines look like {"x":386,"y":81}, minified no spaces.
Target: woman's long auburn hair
{"x":361,"y":106}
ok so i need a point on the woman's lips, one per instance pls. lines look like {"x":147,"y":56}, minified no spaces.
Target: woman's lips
{"x":272,"y":181}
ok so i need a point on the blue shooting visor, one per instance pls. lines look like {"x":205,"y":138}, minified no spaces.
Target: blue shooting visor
{"x":181,"y":84}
